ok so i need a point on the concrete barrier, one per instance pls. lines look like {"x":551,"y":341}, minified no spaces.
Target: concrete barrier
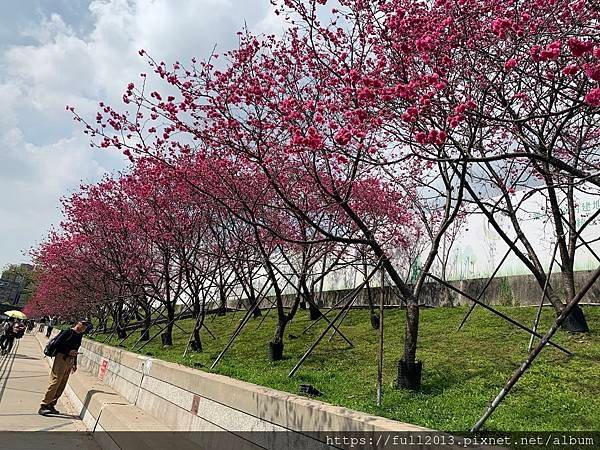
{"x":131,"y":401}
{"x":185,"y":399}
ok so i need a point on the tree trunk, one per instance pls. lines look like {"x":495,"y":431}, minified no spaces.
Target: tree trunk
{"x":253,"y":301}
{"x":409,"y":369}
{"x":276,"y":345}
{"x":314,"y":312}
{"x":145,"y":333}
{"x":222,"y":301}
{"x":308,"y":297}
{"x":121,"y":333}
{"x":167,"y":336}
{"x":118,"y":322}
{"x":197,"y":342}
{"x":411,"y":375}
{"x":102,"y":323}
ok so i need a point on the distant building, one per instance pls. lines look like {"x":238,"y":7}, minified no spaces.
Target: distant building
{"x":9,"y":291}
{"x":12,"y":284}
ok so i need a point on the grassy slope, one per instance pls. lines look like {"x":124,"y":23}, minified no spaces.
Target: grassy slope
{"x":463,"y":370}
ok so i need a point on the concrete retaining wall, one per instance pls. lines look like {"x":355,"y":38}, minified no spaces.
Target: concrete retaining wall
{"x":517,"y":290}
{"x":185,"y":399}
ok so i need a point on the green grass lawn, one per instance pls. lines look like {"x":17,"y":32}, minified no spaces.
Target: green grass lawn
{"x":462,"y":371}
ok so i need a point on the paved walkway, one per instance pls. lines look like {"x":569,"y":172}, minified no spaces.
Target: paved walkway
{"x":23,"y":382}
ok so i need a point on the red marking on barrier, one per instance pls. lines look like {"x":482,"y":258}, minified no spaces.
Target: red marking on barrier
{"x":195,"y":404}
{"x":102,"y":370}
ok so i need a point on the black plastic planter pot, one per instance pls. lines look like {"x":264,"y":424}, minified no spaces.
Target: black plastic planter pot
{"x":166,"y":339}
{"x":145,"y":335}
{"x":196,"y":346}
{"x":314,"y":312}
{"x":275,"y":351}
{"x":409,"y":375}
{"x":375,"y":322}
{"x":575,"y":322}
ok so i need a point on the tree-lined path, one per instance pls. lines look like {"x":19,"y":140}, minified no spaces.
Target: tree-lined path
{"x":349,"y":151}
{"x":23,"y":381}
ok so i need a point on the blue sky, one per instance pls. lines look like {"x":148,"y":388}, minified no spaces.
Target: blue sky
{"x":78,"y":52}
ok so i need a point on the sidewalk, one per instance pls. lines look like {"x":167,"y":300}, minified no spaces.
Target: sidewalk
{"x":23,"y":382}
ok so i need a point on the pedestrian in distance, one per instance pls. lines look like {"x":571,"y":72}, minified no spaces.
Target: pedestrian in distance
{"x":42,"y":324}
{"x":16,"y":331}
{"x":64,"y":348}
{"x":51,"y":324}
{"x":6,"y":336}
{"x":19,"y":329}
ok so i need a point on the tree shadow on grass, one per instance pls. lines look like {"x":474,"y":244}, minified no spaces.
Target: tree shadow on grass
{"x":435,"y":383}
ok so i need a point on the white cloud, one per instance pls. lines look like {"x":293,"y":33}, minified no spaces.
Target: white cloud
{"x":43,"y":153}
{"x":46,"y":28}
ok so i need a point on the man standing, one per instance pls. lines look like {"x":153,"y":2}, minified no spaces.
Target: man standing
{"x":65,"y":362}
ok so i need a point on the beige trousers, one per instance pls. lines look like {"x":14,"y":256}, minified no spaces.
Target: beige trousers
{"x":61,"y":369}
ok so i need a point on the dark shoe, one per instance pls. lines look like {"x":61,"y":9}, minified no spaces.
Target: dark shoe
{"x":44,"y":411}
{"x":53,"y":410}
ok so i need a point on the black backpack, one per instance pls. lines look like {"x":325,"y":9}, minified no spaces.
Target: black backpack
{"x":52,"y":345}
